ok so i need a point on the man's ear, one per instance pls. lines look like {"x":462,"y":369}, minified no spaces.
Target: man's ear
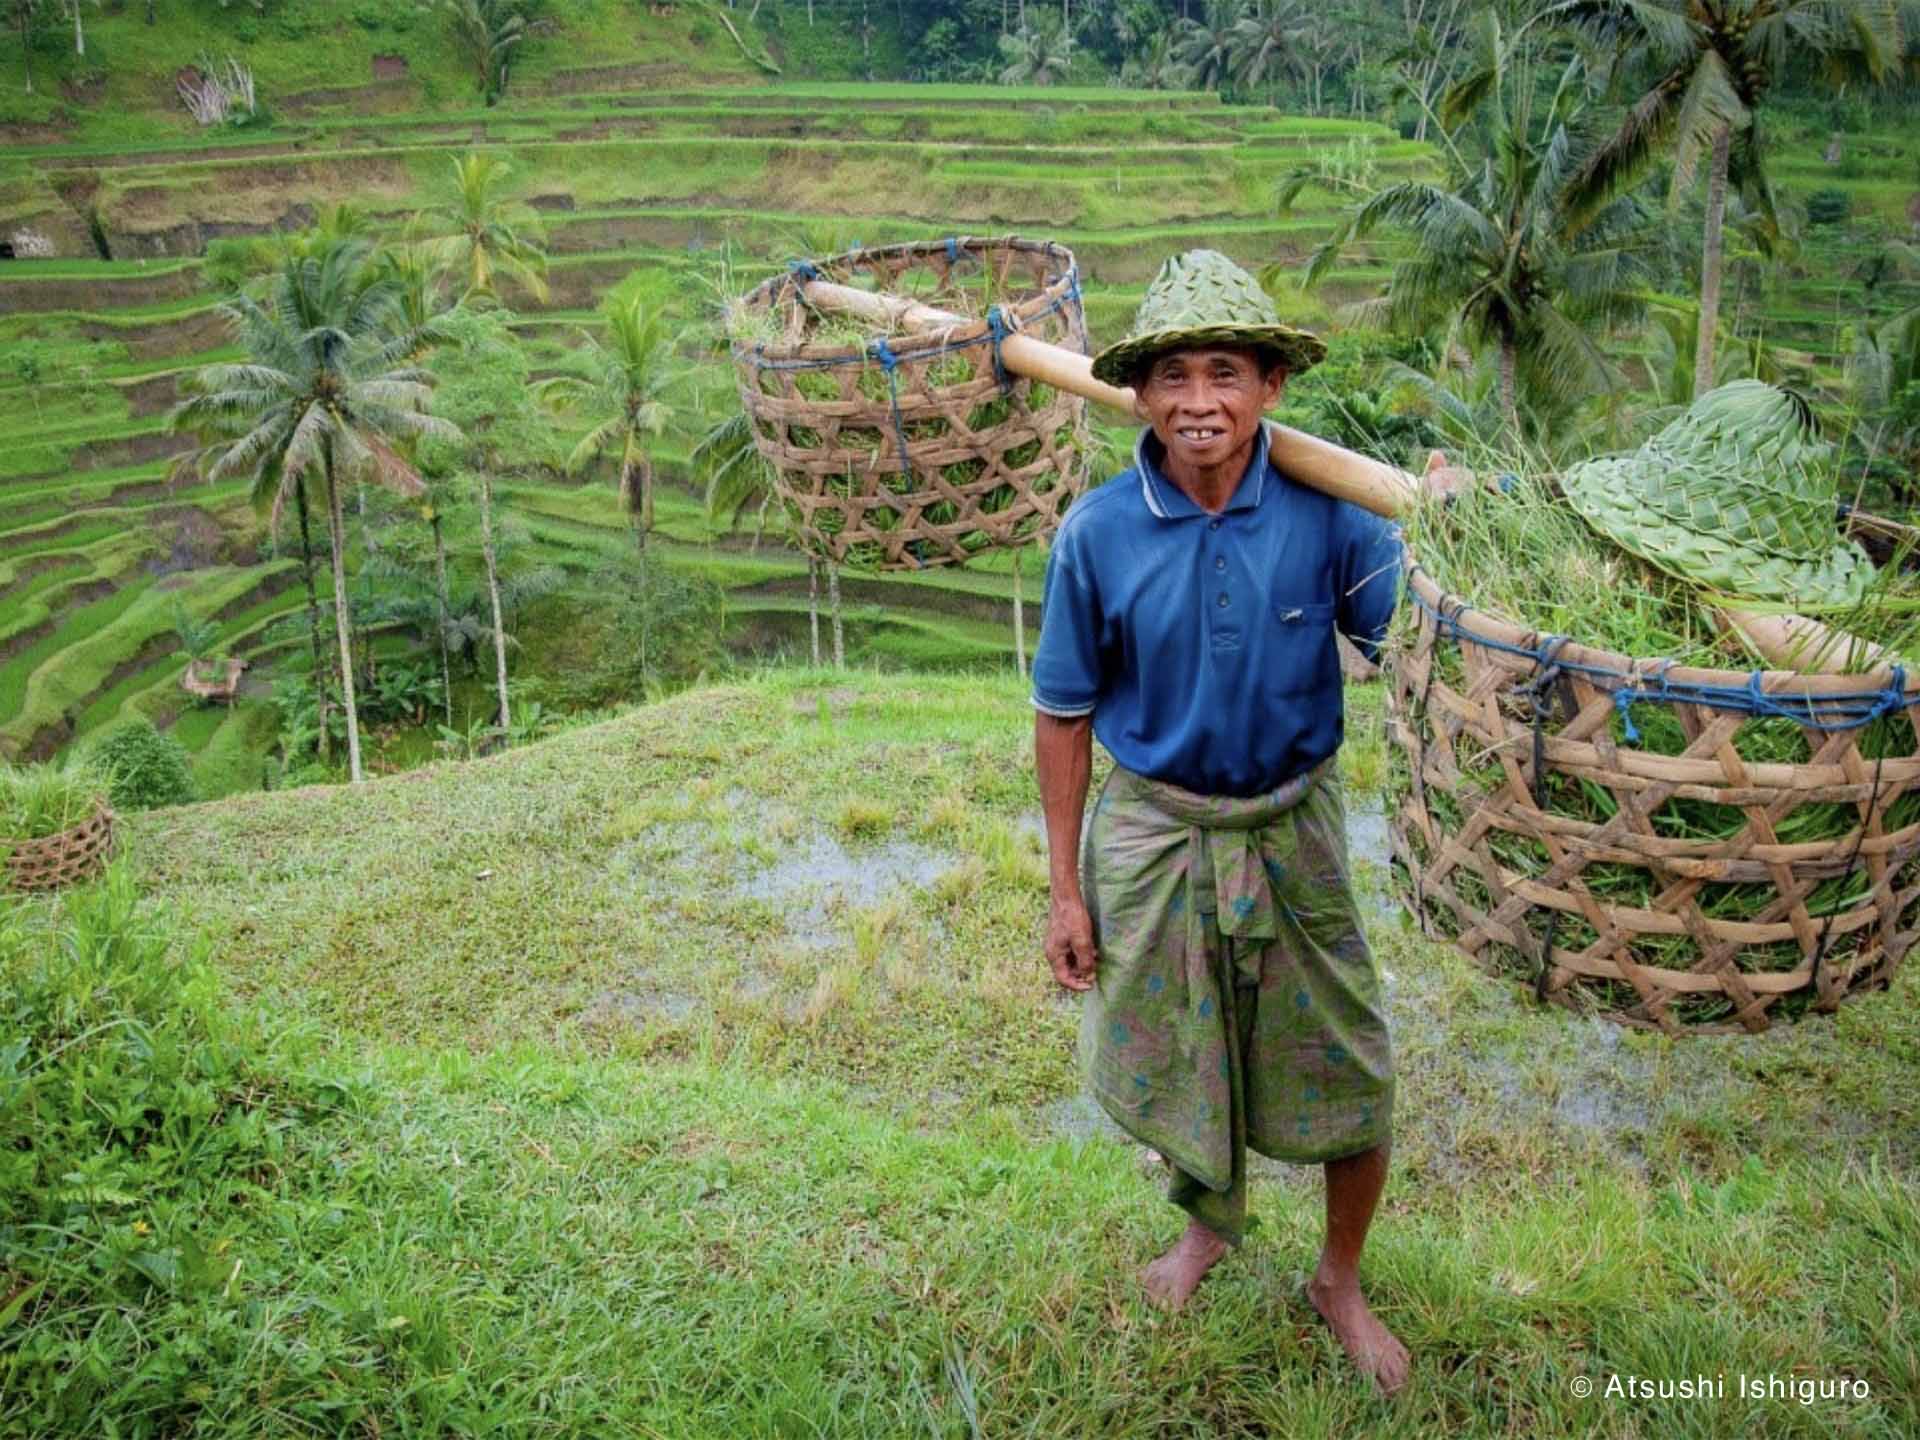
{"x":1276,"y":383}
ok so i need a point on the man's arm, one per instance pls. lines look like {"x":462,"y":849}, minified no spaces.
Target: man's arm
{"x":1063,"y":764}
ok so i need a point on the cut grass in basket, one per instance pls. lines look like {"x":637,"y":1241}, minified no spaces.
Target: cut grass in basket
{"x":49,"y":799}
{"x":1520,"y":553}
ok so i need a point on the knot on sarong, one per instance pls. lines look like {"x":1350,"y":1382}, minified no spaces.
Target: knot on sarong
{"x":1232,"y":856}
{"x":1243,"y":897}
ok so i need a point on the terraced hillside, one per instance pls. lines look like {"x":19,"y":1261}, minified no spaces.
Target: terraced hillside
{"x":97,"y":547}
{"x":644,"y":166}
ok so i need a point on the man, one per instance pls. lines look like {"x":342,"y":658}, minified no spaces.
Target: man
{"x":1190,"y":612}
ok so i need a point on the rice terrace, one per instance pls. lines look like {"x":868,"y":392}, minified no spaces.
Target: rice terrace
{"x":562,"y":565}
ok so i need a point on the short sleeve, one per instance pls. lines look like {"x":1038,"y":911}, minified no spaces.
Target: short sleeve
{"x":1066,"y":667}
{"x":1367,"y":577}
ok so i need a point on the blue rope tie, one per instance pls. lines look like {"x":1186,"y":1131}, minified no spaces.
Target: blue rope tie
{"x":1072,"y":297}
{"x":1827,"y":714}
{"x":890,"y":363}
{"x":953,"y":250}
{"x":997,"y":332}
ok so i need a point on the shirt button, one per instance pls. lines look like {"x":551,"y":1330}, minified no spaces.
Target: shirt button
{"x":1213,"y":524}
{"x":1219,"y":562}
{"x":1223,"y":599}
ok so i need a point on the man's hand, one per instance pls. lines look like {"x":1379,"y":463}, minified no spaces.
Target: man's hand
{"x":1070,"y":943}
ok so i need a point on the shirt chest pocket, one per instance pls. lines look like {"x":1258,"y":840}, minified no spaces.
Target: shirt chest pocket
{"x":1300,"y":654}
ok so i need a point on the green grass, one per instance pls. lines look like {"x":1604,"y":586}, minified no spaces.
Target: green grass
{"x":605,"y":1141}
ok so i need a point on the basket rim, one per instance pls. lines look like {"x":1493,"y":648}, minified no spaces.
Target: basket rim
{"x":906,"y":346}
{"x":1635,"y":670}
{"x":103,"y":812}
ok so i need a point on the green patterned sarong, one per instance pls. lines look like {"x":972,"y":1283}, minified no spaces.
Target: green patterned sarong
{"x":1236,"y":1001}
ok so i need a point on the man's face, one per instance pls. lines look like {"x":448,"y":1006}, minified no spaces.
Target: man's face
{"x":1205,"y":404}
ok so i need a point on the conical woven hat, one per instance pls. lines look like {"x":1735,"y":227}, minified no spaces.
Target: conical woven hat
{"x":1203,"y":298}
{"x":1731,"y":496}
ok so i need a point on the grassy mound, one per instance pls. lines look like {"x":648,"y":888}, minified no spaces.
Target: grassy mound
{"x":621,"y":1132}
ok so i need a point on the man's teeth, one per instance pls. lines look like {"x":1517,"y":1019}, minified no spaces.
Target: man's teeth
{"x":1199,"y":434}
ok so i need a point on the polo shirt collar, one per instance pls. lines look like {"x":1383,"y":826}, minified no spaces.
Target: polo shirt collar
{"x":1168,"y":501}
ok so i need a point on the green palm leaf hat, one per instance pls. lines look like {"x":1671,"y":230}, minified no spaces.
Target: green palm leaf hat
{"x":1203,"y":298}
{"x":1732,"y":496}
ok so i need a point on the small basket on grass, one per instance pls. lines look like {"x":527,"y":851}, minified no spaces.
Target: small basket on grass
{"x":916,"y":447}
{"x":56,"y":825}
{"x":1607,"y":812}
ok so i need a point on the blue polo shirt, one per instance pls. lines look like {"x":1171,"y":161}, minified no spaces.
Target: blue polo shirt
{"x":1202,"y":645}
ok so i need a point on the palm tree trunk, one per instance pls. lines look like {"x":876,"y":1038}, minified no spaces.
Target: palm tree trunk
{"x":313,"y":596}
{"x":1019,"y":620}
{"x":363,"y":638}
{"x":1710,"y":261}
{"x":813,"y":605}
{"x":493,"y":597}
{"x":79,"y":35}
{"x":23,"y":15}
{"x":646,"y":606}
{"x":1510,"y":386}
{"x":342,"y":619}
{"x":440,"y":580}
{"x":833,"y":600}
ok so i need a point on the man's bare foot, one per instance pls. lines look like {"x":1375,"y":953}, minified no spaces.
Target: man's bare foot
{"x":1368,"y":1343}
{"x":1171,"y":1279}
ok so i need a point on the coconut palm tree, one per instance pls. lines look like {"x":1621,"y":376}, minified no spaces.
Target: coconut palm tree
{"x":1269,"y":36}
{"x":629,"y":369}
{"x":1702,"y":69}
{"x":1496,"y":255}
{"x":482,"y":233}
{"x":324,"y":390}
{"x":1038,"y":53}
{"x":1158,"y":67}
{"x":486,"y":32}
{"x":1210,"y":46}
{"x":416,"y":272}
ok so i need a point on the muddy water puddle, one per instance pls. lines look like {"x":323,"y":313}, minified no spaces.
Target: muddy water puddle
{"x":816,"y":880}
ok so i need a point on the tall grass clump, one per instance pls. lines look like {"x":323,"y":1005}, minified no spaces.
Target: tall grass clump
{"x":141,"y":1127}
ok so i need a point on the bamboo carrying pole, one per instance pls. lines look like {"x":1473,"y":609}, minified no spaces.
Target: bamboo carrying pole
{"x":1790,"y":642}
{"x":1342,"y":473}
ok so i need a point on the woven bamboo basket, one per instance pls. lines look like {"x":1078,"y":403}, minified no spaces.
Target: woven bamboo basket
{"x":918,"y":449}
{"x":1509,"y":744}
{"x":55,"y":861}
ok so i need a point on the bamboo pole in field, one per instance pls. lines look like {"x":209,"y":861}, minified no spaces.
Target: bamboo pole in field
{"x":1790,"y":642}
